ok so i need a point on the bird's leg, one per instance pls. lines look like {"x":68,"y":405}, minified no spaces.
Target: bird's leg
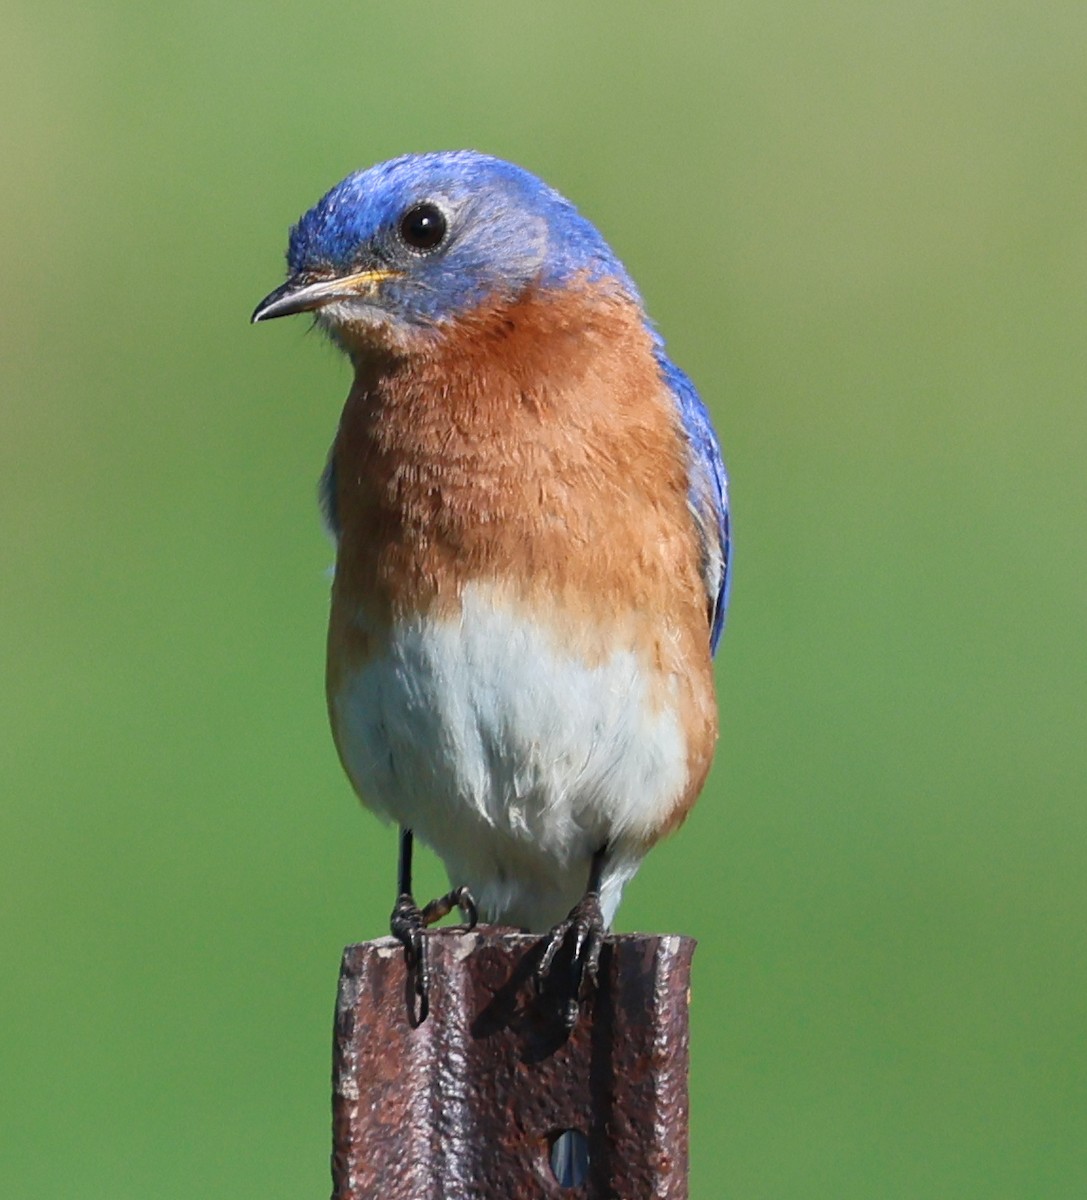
{"x":583,"y":931}
{"x":408,"y":921}
{"x":406,"y":925}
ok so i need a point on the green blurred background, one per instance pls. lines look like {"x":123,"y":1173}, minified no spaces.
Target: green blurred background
{"x":863,"y":230}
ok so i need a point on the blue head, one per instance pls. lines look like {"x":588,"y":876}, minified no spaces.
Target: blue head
{"x":422,"y":239}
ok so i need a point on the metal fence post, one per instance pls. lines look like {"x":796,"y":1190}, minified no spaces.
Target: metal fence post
{"x":469,"y":1105}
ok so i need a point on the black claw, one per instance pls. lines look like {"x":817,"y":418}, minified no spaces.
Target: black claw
{"x":408,"y":924}
{"x":466,"y":902}
{"x":582,"y":934}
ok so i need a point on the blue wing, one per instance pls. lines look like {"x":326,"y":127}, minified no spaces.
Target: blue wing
{"x":708,"y":495}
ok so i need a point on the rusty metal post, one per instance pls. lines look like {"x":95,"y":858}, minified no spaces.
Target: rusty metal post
{"x":469,"y":1105}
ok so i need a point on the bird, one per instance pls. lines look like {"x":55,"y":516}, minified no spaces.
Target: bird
{"x":530,"y":512}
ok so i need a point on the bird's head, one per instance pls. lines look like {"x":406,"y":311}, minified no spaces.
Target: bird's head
{"x":393,"y":253}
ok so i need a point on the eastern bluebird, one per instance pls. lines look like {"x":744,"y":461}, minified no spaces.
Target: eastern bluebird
{"x":530,"y":513}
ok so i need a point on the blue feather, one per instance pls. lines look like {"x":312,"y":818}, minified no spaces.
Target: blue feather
{"x":708,"y":495}
{"x":507,"y":229}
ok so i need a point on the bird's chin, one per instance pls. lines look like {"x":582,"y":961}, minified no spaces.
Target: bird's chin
{"x":360,"y":328}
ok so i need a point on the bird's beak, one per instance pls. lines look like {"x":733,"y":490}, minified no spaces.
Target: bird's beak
{"x":294,"y":297}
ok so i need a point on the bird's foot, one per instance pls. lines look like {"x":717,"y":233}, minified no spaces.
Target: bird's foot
{"x":408,"y":924}
{"x":460,"y":898}
{"x":581,"y":938}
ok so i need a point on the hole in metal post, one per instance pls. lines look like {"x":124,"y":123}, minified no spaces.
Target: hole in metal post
{"x":570,"y":1158}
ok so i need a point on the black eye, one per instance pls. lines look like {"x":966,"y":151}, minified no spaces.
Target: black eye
{"x":423,"y":226}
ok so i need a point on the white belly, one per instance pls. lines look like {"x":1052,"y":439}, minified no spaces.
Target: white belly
{"x":511,"y":758}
